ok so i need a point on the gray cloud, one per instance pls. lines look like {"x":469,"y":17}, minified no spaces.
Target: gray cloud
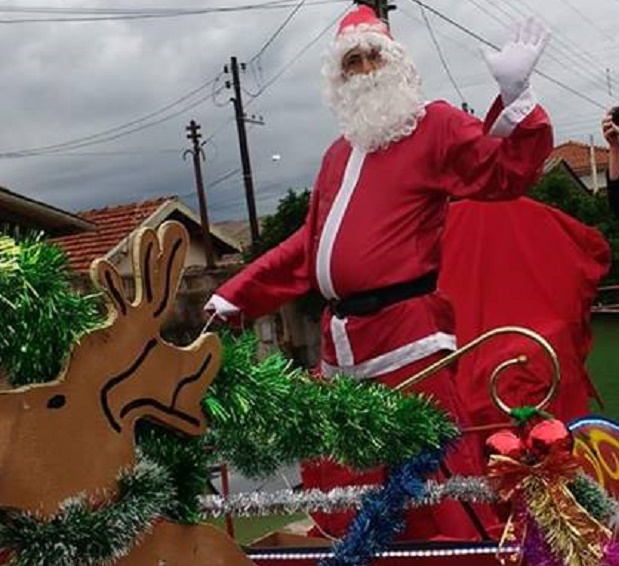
{"x":64,"y":81}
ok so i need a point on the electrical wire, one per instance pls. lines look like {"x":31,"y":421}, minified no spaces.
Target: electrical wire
{"x":255,"y":62}
{"x":580,"y":56}
{"x":224,"y":177}
{"x":440,"y":55}
{"x":587,"y":19}
{"x":147,"y":121}
{"x":297,"y":56}
{"x":278,"y":31}
{"x":100,"y":138}
{"x":84,"y":16}
{"x":460,"y":44}
{"x":490,"y":44}
{"x":577,"y":66}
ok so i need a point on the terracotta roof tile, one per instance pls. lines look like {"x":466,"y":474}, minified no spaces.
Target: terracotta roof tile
{"x":113,"y":224}
{"x":578,"y":156}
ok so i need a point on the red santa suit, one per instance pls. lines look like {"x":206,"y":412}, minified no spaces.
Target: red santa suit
{"x":376,"y":219}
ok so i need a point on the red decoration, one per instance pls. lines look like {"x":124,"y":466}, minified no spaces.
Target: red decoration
{"x":548,"y":437}
{"x":505,"y":443}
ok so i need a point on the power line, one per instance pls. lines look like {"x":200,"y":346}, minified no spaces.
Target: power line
{"x":490,"y":44}
{"x":580,"y":56}
{"x":131,"y":11}
{"x":460,"y":44}
{"x":218,"y":181}
{"x":255,"y":62}
{"x":297,"y":56}
{"x":577,"y":65}
{"x":591,"y":22}
{"x":107,"y":135}
{"x":143,"y":123}
{"x":110,"y":14}
{"x":440,"y":54}
{"x":280,"y":28}
{"x":224,"y":177}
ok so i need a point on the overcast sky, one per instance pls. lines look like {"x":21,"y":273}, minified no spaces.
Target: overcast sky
{"x":96,"y":97}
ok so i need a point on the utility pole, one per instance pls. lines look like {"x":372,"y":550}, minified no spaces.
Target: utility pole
{"x":240,"y":125}
{"x":381,"y":7}
{"x":196,"y":152}
{"x":594,"y":167}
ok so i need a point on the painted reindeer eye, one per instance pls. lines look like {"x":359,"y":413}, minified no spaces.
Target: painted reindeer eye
{"x":57,"y":402}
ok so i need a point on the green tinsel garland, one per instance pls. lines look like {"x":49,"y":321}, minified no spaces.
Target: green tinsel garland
{"x":40,"y":315}
{"x":80,"y":535}
{"x":263,"y":414}
{"x":593,"y":498}
{"x":186,"y":460}
{"x":285,"y":416}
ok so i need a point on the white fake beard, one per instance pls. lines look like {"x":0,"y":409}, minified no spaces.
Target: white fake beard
{"x":380,"y":108}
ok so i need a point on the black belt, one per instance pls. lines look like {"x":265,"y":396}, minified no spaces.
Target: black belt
{"x":373,"y":300}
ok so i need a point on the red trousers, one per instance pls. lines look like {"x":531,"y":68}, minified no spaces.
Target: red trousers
{"x":446,"y":521}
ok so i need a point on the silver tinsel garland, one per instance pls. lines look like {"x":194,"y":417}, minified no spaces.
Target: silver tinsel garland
{"x":284,"y":502}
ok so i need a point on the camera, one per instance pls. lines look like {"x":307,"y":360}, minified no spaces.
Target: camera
{"x":614,"y":115}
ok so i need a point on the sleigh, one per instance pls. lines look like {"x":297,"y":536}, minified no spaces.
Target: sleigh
{"x":67,"y":447}
{"x":597,"y":449}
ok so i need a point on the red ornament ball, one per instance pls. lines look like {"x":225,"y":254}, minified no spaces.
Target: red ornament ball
{"x":548,"y":437}
{"x":505,"y":443}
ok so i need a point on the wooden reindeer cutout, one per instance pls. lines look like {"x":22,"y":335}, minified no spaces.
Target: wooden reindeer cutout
{"x":75,"y":434}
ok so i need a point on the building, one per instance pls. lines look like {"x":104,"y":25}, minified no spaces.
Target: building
{"x":18,"y":211}
{"x":110,"y":239}
{"x":588,"y":163}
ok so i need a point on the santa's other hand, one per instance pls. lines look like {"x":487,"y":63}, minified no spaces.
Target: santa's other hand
{"x":221,"y":308}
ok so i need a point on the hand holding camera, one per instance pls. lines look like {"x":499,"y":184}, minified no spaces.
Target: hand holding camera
{"x":610,"y":127}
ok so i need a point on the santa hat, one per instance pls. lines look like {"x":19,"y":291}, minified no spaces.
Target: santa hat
{"x":365,"y":17}
{"x":361,"y":28}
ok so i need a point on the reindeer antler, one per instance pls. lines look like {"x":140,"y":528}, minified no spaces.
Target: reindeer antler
{"x":158,"y":259}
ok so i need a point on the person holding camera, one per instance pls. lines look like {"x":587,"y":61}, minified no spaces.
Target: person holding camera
{"x":610,"y":129}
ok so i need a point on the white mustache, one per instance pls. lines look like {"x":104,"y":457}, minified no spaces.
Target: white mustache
{"x":379,"y":108}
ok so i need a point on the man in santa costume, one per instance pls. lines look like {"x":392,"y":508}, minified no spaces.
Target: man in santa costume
{"x":371,"y":240}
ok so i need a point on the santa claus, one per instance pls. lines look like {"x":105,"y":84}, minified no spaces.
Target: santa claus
{"x":371,"y":241}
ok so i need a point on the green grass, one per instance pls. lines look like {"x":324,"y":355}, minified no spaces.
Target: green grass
{"x":603,"y":363}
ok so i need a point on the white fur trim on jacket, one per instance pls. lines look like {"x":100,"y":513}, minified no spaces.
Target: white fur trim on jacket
{"x":395,"y":359}
{"x":334,"y":221}
{"x":513,"y":114}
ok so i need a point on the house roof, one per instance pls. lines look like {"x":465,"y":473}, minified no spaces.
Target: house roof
{"x":28,"y":213}
{"x":114,"y":224}
{"x":578,"y":156}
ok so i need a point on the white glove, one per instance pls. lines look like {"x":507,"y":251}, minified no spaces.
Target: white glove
{"x":221,"y":307}
{"x":512,"y":65}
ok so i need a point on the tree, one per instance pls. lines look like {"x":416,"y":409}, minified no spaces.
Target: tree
{"x":557,"y":189}
{"x":288,"y":218}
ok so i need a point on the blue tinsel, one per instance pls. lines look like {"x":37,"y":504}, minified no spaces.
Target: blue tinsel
{"x":381,"y":517}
